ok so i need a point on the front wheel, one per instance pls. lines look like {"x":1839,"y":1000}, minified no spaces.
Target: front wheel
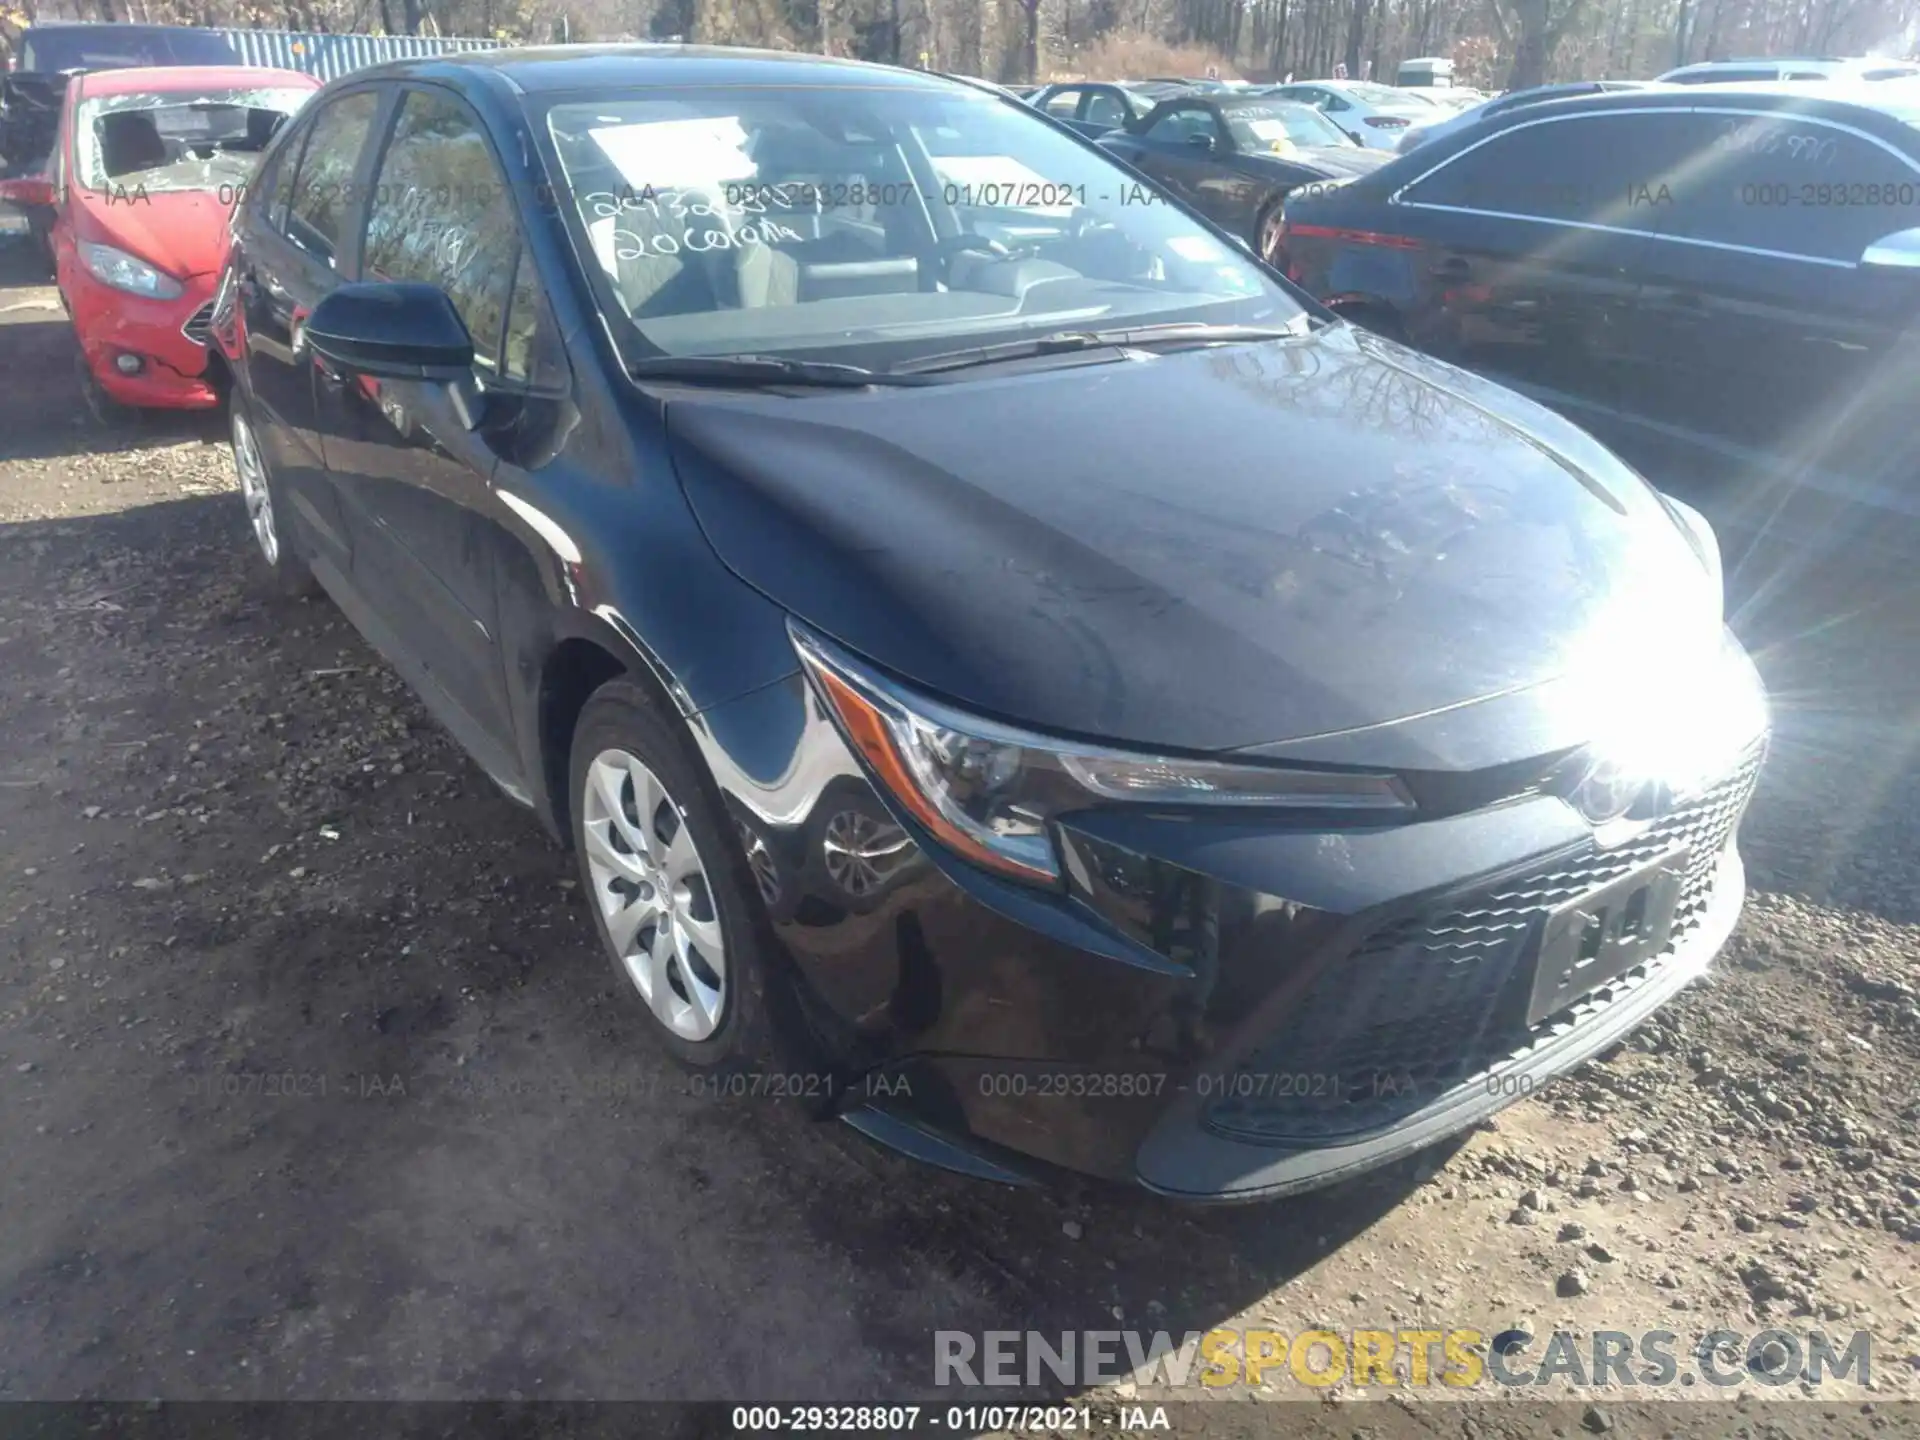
{"x":670,"y":887}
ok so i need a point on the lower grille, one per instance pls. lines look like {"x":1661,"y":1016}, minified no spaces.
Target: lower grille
{"x":1432,"y":1001}
{"x":199,"y":325}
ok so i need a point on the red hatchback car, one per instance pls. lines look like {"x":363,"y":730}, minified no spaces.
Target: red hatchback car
{"x":144,"y":176}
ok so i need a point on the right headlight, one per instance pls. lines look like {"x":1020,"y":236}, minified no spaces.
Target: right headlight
{"x":988,"y":791}
{"x":122,"y":271}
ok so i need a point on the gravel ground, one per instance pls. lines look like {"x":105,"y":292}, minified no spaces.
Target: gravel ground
{"x":238,"y":863}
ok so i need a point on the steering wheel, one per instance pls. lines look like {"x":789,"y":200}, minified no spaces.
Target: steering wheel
{"x":1086,"y":222}
{"x":955,"y":245}
{"x":946,"y":251}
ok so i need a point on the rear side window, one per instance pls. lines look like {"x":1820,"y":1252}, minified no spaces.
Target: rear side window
{"x":442,"y":214}
{"x":1789,"y":184}
{"x":1600,"y":169}
{"x":323,"y":191}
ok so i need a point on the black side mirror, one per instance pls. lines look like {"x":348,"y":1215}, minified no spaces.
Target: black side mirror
{"x":1202,"y":143}
{"x":392,"y":331}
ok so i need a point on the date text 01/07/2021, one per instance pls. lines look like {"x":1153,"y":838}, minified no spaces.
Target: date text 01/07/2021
{"x":956,"y":1419}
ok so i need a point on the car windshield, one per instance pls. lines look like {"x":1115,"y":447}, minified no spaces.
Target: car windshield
{"x":1280,"y":127}
{"x":874,"y":223}
{"x":198,"y":140}
{"x":108,"y":47}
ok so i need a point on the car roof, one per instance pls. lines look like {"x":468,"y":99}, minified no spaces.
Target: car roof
{"x":557,"y":69}
{"x":1897,"y":100}
{"x":169,"y":79}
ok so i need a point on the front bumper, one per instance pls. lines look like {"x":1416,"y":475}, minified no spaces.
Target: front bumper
{"x":170,"y":336}
{"x":1214,"y":1011}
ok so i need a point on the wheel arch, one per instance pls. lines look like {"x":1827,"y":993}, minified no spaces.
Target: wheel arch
{"x":573,"y":668}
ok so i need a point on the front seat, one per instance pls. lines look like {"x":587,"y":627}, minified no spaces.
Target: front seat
{"x":129,"y":143}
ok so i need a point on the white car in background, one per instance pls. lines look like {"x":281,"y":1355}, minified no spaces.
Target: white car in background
{"x":1744,"y":72}
{"x":1372,"y":115}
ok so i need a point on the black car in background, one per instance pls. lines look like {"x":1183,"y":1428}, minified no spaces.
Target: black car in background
{"x":1235,"y":159}
{"x":1724,"y":279}
{"x":31,"y":92}
{"x":1001,"y":657}
{"x":1094,"y":107}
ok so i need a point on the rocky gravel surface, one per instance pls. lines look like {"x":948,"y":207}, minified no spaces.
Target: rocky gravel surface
{"x":313,"y":1085}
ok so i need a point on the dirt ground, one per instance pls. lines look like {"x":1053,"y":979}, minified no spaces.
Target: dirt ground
{"x":240,"y":867}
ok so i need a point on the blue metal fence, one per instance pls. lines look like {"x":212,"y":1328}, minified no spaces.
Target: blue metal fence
{"x":331,"y":56}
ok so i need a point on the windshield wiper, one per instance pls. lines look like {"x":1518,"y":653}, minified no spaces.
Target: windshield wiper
{"x":1137,"y":337}
{"x":763,"y":370}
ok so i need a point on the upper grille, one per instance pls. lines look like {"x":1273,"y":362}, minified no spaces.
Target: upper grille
{"x":199,"y":325}
{"x":1431,"y":1001}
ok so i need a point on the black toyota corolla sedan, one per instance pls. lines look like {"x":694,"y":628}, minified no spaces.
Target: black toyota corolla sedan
{"x":998,"y":652}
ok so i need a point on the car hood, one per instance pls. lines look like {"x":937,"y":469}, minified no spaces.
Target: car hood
{"x":1204,"y":550}
{"x":1340,"y":161}
{"x":182,"y":232}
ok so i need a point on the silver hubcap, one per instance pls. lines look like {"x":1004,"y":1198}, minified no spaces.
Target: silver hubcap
{"x":253,"y":488}
{"x":653,"y":892}
{"x":862,"y":853}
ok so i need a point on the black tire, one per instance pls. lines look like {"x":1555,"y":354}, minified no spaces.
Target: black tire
{"x":621,"y":715}
{"x":284,"y":570}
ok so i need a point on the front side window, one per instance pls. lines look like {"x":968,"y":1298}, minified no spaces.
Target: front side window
{"x":323,"y":190}
{"x":209,"y":140}
{"x":869,"y":223}
{"x":441,"y":214}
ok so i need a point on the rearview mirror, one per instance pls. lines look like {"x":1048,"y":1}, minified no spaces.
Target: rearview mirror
{"x":27,"y":191}
{"x":392,"y":331}
{"x":1899,"y":251}
{"x":1200,"y":142}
